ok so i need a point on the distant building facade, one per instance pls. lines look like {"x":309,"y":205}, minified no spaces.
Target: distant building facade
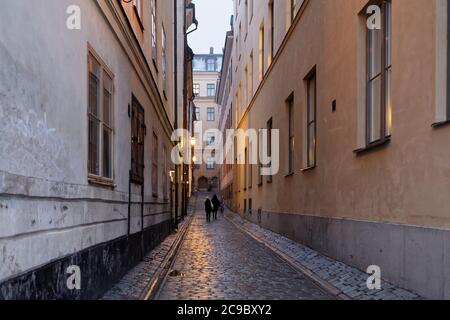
{"x":364,"y":146}
{"x":205,"y":83}
{"x":225,"y":102}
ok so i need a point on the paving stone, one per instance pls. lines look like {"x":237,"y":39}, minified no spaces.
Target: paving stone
{"x":345,"y":278}
{"x":222,"y":261}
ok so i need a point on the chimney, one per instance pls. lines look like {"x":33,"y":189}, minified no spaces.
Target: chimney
{"x":211,"y":50}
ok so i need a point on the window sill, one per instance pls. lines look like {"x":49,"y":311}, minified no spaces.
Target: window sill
{"x":311,"y":168}
{"x":441,"y":124}
{"x":373,"y":146}
{"x":102,"y":182}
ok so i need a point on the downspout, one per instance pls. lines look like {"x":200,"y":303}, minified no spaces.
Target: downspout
{"x":129,"y":203}
{"x":175,"y":14}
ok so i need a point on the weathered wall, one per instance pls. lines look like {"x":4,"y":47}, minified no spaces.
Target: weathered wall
{"x":48,"y":210}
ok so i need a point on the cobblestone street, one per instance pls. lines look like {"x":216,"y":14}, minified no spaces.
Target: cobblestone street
{"x":218,"y":261}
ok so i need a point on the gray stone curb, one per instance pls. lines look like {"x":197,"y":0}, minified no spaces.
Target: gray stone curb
{"x":152,"y":290}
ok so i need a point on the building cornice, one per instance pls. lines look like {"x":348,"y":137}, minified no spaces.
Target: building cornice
{"x":276,"y":57}
{"x":116,"y":17}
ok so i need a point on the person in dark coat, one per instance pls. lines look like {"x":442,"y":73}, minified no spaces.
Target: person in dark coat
{"x":208,"y":209}
{"x":216,"y":206}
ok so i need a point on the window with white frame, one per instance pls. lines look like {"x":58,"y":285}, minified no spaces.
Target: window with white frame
{"x":196,"y":88}
{"x":211,"y":114}
{"x":100,"y":119}
{"x":211,"y":90}
{"x":210,"y":164}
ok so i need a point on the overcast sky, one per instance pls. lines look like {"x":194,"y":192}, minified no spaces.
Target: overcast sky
{"x":214,"y":21}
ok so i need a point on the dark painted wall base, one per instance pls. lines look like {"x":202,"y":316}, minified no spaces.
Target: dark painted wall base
{"x":101,"y":267}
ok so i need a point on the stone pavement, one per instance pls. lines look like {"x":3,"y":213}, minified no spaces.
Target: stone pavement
{"x":342,"y":278}
{"x":218,"y":261}
{"x":135,"y":282}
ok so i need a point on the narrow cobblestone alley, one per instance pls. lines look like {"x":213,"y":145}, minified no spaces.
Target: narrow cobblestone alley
{"x":218,"y":261}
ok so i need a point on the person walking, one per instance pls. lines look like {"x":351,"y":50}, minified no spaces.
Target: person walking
{"x":208,"y":209}
{"x":216,"y":206}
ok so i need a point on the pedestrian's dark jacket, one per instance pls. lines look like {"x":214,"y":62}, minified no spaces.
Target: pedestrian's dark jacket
{"x":216,"y":203}
{"x":208,"y":206}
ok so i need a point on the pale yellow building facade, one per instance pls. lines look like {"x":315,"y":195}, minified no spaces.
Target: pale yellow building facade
{"x":206,"y":73}
{"x":364,"y":146}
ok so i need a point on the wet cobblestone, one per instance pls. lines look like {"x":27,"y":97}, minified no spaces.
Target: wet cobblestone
{"x":348,"y":280}
{"x":218,"y":261}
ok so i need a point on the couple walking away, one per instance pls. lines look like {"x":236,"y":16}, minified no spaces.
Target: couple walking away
{"x":212,"y":207}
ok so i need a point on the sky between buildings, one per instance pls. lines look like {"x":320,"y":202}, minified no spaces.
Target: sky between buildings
{"x":214,"y":21}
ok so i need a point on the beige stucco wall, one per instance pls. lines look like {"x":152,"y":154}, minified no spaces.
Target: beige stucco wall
{"x":406,"y":182}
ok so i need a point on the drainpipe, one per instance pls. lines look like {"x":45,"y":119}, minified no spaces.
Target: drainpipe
{"x":175,"y":13}
{"x":129,"y":203}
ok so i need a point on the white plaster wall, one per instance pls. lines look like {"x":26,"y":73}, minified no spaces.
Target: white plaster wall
{"x":47,"y":208}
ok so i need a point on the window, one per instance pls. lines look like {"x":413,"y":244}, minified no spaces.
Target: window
{"x":196,"y":88}
{"x":210,"y":138}
{"x":260,"y":151}
{"x":247,"y":95}
{"x":291,"y":135}
{"x":379,"y":99}
{"x":210,"y":65}
{"x":246,"y":169}
{"x":293,"y":10}
{"x":155,"y":166}
{"x":261,"y":52}
{"x":246,"y":18}
{"x":164,"y":58}
{"x":239,"y":48}
{"x":197,"y":113}
{"x":211,"y":90}
{"x":154,"y":31}
{"x":210,"y":164}
{"x":269,"y":146}
{"x":138,"y":7}
{"x":311,"y":126}
{"x":100,"y":120}
{"x":211,"y":114}
{"x":137,"y":141}
{"x":250,"y":166}
{"x":165,"y":174}
{"x":250,"y":76}
{"x":272,"y":32}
